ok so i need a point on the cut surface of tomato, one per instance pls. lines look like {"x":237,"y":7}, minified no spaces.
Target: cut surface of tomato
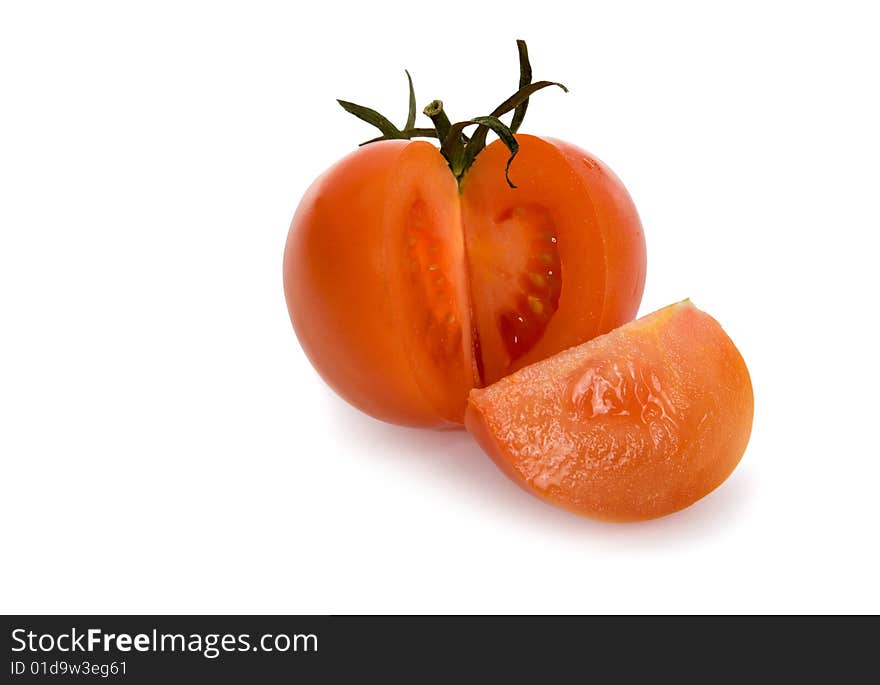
{"x":635,"y":424}
{"x":553,"y":262}
{"x":374,"y":277}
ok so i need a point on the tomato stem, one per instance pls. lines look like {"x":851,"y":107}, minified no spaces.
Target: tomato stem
{"x":456,"y":152}
{"x":459,"y":150}
{"x":434,"y":111}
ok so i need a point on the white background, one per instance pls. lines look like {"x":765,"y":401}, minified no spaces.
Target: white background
{"x":165,"y":445}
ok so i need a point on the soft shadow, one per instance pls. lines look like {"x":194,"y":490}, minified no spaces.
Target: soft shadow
{"x":449,"y":455}
{"x":454,"y":456}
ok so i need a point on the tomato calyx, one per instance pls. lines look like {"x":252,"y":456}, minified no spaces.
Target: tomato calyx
{"x":459,"y":149}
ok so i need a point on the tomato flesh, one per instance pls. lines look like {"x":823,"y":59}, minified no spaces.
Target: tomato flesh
{"x":428,"y":276}
{"x":429,"y":270}
{"x":366,"y":248}
{"x":515,"y":267}
{"x":632,"y":425}
{"x":544,"y":257}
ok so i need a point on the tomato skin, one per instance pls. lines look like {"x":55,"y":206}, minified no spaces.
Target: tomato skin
{"x":624,"y":254}
{"x":338,"y":281}
{"x":632,"y":425}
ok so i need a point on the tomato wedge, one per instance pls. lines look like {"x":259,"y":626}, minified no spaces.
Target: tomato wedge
{"x":632,"y":425}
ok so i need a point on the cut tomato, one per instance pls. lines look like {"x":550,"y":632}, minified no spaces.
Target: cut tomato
{"x":415,"y":272}
{"x":632,"y":425}
{"x":406,"y":291}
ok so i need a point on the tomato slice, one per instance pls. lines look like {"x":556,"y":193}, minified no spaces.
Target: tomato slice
{"x":632,"y":425}
{"x":553,"y":262}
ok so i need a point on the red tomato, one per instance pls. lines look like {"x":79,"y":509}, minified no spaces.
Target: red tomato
{"x":413,"y":274}
{"x":632,"y":425}
{"x":406,"y":289}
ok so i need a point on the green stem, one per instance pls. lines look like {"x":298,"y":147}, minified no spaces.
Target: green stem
{"x":459,"y":150}
{"x":455,"y":150}
{"x":434,"y":111}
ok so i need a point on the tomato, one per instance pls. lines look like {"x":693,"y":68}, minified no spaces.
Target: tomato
{"x":413,"y":274}
{"x":406,"y":292}
{"x":632,"y":425}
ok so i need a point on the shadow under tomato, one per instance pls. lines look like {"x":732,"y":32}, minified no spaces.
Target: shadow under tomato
{"x":446,"y":455}
{"x":453,"y":456}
